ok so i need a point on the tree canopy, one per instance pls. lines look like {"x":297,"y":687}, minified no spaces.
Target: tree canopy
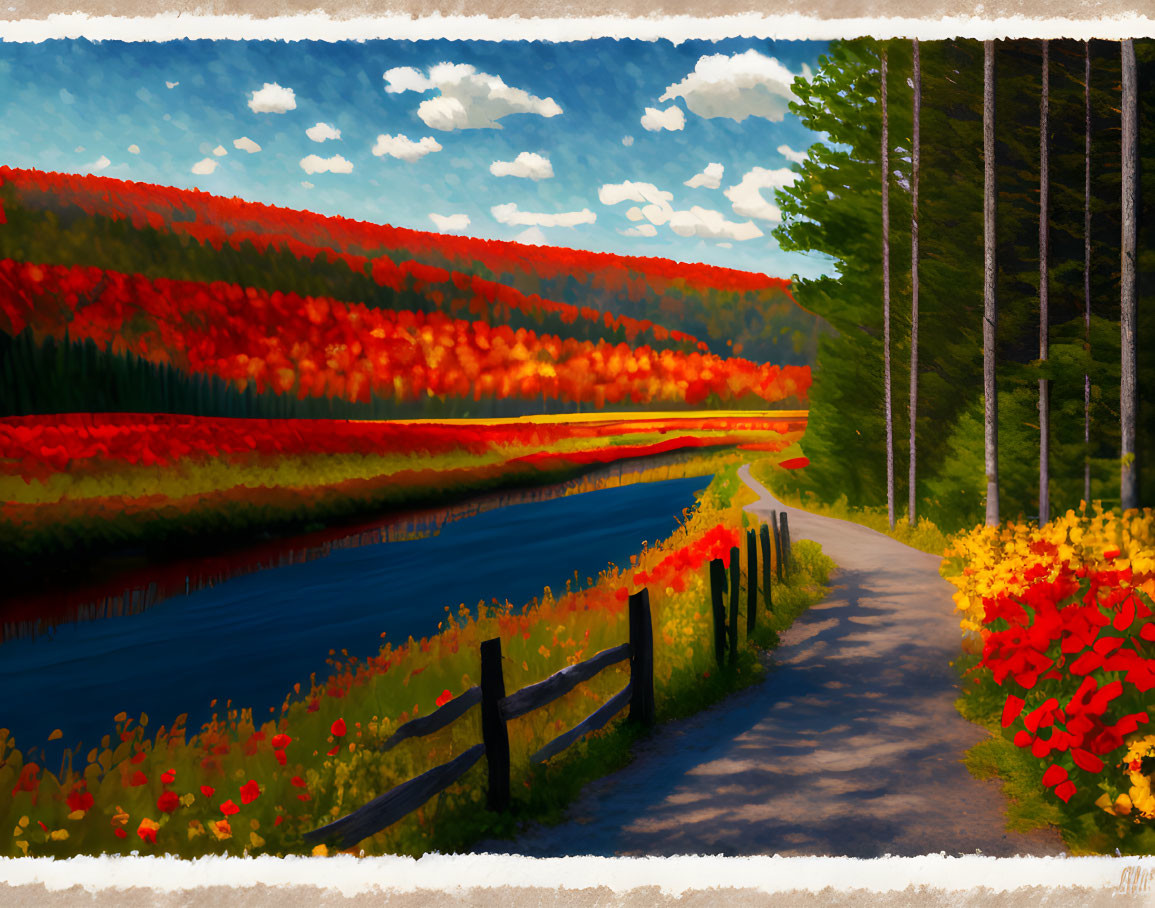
{"x":834,"y":208}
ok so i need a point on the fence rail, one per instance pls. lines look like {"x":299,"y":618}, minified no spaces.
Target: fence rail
{"x":497,"y":709}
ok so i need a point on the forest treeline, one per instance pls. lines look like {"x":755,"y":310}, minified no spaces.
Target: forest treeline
{"x":834,"y":208}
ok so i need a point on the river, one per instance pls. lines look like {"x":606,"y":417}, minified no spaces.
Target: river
{"x":250,"y":637}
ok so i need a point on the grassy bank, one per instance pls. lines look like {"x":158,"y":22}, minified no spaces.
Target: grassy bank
{"x":924,"y":536}
{"x":80,"y":485}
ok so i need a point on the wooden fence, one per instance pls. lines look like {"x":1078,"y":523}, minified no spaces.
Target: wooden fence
{"x":775,"y":539}
{"x":497,"y":708}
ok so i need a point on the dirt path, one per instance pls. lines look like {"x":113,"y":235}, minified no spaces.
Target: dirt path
{"x":852,"y":746}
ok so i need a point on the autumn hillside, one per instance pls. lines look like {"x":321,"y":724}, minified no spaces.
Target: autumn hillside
{"x":121,"y":291}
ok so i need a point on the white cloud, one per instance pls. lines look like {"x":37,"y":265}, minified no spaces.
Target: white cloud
{"x":710,"y":178}
{"x":405,"y":78}
{"x":627,"y":141}
{"x":273,"y":98}
{"x":171,"y":84}
{"x":406,"y":149}
{"x":323,"y":131}
{"x":527,"y":165}
{"x":204,"y":166}
{"x":450,"y":222}
{"x":532,"y":236}
{"x":711,"y":225}
{"x":656,"y":209}
{"x":657,"y":204}
{"x":100,"y":163}
{"x":747,"y":198}
{"x":134,"y":149}
{"x":220,"y":151}
{"x":244,"y":143}
{"x":671,"y":118}
{"x":738,"y":86}
{"x":467,"y":99}
{"x":794,"y":157}
{"x":79,"y":149}
{"x":509,"y":213}
{"x":336,"y":164}
{"x":306,"y":184}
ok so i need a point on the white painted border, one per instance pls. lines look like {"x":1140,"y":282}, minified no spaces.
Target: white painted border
{"x":774,"y":875}
{"x":321,"y":26}
{"x":350,"y":876}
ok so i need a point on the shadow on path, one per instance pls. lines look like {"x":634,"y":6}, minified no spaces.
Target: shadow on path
{"x":852,"y":746}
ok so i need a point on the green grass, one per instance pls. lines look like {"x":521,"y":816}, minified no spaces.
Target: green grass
{"x":997,"y":758}
{"x":924,"y":536}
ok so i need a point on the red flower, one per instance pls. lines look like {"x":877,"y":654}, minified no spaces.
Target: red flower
{"x":279,"y":820}
{"x":1011,"y":709}
{"x":138,"y":778}
{"x":80,"y":800}
{"x":334,"y":751}
{"x":1054,"y":775}
{"x":444,"y":698}
{"x":280,"y":755}
{"x":298,"y":781}
{"x":168,"y":802}
{"x":1065,"y":790}
{"x":338,"y":728}
{"x":207,"y":791}
{"x":282,"y":741}
{"x":168,"y":776}
{"x":147,"y":830}
{"x":229,"y":808}
{"x":250,"y":791}
{"x":120,"y":833}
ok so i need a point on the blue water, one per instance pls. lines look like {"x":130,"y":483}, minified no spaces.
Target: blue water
{"x":251,"y":638}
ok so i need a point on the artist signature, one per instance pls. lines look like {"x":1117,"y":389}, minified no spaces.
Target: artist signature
{"x":1136,"y":880}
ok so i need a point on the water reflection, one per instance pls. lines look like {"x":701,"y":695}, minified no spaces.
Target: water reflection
{"x":130,"y":586}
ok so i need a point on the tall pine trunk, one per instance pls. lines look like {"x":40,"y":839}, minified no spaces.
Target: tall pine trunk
{"x":990,"y":308}
{"x":1129,"y":486}
{"x":1087,"y":270}
{"x":915,"y":150}
{"x":886,"y":301}
{"x":1044,"y":291}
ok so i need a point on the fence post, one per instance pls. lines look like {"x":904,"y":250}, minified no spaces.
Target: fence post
{"x":768,"y":597}
{"x":786,"y":553}
{"x":493,"y":730}
{"x":776,"y":530}
{"x":735,"y":590}
{"x":641,"y":659}
{"x":717,"y":584}
{"x":751,"y":581}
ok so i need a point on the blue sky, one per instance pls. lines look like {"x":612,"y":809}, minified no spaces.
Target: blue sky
{"x":586,"y":144}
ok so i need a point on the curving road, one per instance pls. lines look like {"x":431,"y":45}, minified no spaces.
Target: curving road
{"x":852,"y":746}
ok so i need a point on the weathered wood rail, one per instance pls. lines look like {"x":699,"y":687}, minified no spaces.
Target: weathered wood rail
{"x":497,"y":708}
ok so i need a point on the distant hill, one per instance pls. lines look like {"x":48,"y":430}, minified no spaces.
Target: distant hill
{"x":272,"y":301}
